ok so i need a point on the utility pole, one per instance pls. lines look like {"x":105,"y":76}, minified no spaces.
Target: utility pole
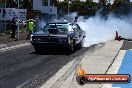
{"x":5,"y":3}
{"x":18,"y":34}
{"x":68,"y":9}
{"x":5,"y":21}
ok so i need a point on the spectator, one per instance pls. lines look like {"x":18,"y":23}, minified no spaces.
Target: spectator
{"x":30,"y":27}
{"x":13,"y":28}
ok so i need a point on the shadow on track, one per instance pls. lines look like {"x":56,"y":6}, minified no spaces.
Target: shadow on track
{"x":64,"y":52}
{"x":54,"y":52}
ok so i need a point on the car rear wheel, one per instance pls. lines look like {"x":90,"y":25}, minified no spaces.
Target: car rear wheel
{"x":70,"y":48}
{"x":80,"y":45}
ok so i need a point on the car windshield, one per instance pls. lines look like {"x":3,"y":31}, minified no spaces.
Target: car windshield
{"x":60,"y":26}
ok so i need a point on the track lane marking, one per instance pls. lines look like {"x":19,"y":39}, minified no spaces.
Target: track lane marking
{"x":14,"y":47}
{"x":125,"y":68}
{"x":59,"y":78}
{"x":115,"y":67}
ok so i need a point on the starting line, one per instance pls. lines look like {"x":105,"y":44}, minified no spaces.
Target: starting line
{"x":14,"y":47}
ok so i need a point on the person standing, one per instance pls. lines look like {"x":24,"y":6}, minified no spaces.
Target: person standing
{"x":30,"y":27}
{"x":13,"y":28}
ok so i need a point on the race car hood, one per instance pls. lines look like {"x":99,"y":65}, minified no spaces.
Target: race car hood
{"x":46,"y":33}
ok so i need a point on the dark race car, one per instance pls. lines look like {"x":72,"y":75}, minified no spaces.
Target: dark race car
{"x":57,"y":35}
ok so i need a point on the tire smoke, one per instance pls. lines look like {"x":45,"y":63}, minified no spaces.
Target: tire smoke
{"x":99,"y":29}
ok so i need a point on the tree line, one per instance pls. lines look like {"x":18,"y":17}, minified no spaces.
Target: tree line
{"x":90,"y":8}
{"x":83,"y":8}
{"x":25,"y":4}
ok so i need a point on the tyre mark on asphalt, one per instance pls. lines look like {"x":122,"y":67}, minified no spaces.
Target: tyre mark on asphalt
{"x":14,"y":47}
{"x":33,"y":82}
{"x":10,"y":61}
{"x":36,"y":59}
{"x":63,"y":60}
{"x":60,"y":81}
{"x":30,"y":70}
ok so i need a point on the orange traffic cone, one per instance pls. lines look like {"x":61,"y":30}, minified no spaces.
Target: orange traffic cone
{"x":116,"y":37}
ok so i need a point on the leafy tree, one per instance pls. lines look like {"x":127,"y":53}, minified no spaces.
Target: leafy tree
{"x":23,"y":4}
{"x":103,"y":2}
{"x":2,"y":1}
{"x":121,"y":7}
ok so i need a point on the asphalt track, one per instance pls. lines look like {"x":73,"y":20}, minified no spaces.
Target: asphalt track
{"x":22,"y":68}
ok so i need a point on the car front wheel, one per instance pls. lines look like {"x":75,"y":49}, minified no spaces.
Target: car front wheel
{"x":37,"y":49}
{"x":71,"y":48}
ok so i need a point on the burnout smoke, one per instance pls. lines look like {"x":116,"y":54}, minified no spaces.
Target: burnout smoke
{"x":100,"y":30}
{"x":40,"y":23}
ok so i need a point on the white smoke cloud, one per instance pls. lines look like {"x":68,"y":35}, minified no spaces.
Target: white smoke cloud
{"x":39,"y":24}
{"x":70,"y":18}
{"x":101,"y":30}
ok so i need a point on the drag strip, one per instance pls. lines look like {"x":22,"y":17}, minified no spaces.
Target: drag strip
{"x":21,"y":67}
